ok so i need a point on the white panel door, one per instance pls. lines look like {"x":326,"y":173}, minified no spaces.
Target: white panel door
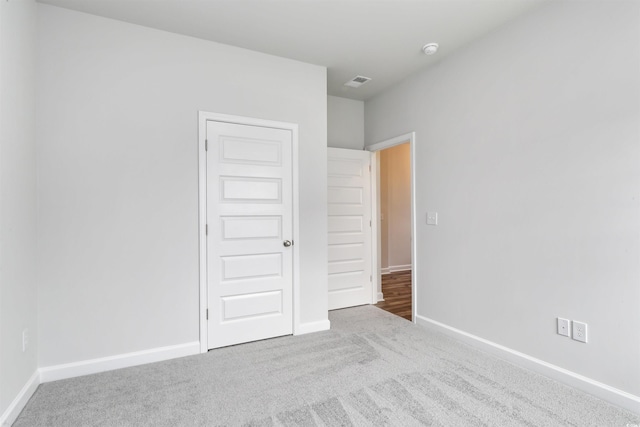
{"x":249,"y":222}
{"x":349,"y":199}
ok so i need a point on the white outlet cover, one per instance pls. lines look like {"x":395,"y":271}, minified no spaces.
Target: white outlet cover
{"x":432,"y":218}
{"x":563,"y":327}
{"x":579,"y":332}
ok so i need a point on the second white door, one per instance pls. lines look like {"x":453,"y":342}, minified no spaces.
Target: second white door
{"x":349,"y":223}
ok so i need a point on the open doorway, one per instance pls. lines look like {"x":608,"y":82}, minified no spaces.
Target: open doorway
{"x":393,"y":209}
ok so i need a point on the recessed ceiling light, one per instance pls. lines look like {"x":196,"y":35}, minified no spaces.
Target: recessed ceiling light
{"x":357,"y":81}
{"x":430,"y":48}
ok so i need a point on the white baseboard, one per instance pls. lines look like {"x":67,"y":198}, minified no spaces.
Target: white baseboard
{"x":395,"y":269}
{"x":307,"y":328}
{"x":380,"y":297}
{"x":603,"y":391}
{"x":93,"y":366}
{"x":18,"y":404}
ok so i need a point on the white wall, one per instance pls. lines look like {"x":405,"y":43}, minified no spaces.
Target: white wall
{"x":345,"y":121}
{"x":18,"y":309}
{"x":528,"y":146}
{"x":118,"y":169}
{"x":395,"y":207}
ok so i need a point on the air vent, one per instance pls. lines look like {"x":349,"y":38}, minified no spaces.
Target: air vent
{"x":357,"y":81}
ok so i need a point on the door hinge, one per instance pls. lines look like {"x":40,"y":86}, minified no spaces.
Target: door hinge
{"x":207,"y":314}
{"x":371,"y":278}
{"x":206,"y":145}
{"x":370,"y":225}
{"x":369,"y":168}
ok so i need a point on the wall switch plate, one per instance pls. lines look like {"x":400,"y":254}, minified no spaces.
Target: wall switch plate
{"x":579,"y":331}
{"x":25,"y":340}
{"x":563,"y":327}
{"x":432,"y":218}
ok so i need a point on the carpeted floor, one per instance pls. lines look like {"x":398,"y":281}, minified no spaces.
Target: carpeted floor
{"x":372,"y":368}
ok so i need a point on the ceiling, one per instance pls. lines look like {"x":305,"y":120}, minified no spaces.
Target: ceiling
{"x":378,"y":39}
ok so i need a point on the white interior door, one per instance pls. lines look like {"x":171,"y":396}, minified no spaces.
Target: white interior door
{"x":349,"y":207}
{"x":250,"y":225}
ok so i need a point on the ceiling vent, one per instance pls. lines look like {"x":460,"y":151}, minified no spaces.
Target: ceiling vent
{"x":357,"y":81}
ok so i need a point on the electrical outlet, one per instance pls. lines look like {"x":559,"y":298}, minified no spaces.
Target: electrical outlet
{"x":579,"y":331}
{"x":432,"y":218}
{"x":563,"y":327}
{"x":25,"y":340}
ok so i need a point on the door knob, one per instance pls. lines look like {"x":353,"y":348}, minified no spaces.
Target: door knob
{"x":287,"y":243}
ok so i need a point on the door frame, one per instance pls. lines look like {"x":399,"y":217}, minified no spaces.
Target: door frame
{"x":375,"y":207}
{"x":203,"y":117}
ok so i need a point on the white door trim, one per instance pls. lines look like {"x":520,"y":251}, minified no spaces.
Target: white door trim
{"x":203,"y":117}
{"x":375,"y":184}
{"x":376,"y":250}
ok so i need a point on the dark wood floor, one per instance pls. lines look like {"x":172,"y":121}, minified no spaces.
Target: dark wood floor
{"x":396,"y":288}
